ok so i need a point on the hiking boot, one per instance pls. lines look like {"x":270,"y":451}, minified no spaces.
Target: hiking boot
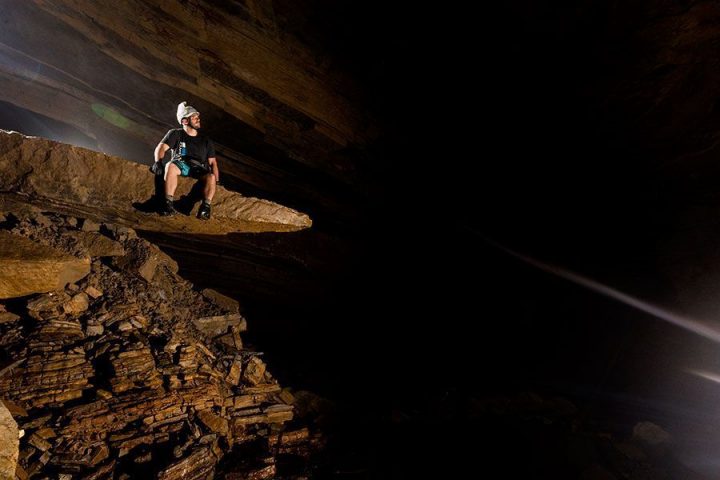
{"x":168,"y":209}
{"x":204,"y":212}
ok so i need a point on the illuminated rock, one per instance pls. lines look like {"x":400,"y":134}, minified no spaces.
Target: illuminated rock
{"x":9,"y":441}
{"x":65,"y":178}
{"x":28,"y":267}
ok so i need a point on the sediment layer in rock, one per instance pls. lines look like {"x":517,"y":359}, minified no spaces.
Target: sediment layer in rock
{"x":62,"y":177}
{"x":110,"y":375}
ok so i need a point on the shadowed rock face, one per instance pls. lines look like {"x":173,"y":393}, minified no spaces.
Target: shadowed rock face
{"x":63,"y":176}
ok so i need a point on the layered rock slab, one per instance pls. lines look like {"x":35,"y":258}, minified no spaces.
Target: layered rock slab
{"x":110,"y":377}
{"x":27,"y":267}
{"x":62,"y":177}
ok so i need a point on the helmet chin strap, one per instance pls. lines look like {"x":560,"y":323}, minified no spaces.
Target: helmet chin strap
{"x":189,"y":125}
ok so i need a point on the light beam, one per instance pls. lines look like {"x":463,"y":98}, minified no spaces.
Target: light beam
{"x":681,"y":321}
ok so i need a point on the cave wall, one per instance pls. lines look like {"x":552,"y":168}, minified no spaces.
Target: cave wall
{"x":287,"y":120}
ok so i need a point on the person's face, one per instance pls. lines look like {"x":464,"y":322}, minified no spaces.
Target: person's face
{"x":194,"y":121}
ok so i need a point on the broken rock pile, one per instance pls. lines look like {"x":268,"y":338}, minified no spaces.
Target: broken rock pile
{"x":128,"y":371}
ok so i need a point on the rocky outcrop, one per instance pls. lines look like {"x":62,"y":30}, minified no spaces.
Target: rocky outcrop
{"x":131,"y":371}
{"x":60,"y":176}
{"x":28,"y":267}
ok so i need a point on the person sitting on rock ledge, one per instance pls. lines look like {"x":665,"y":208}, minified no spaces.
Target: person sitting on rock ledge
{"x":193,"y":155}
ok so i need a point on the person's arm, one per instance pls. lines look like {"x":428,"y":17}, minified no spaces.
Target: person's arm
{"x":170,"y":138}
{"x":157,"y":167}
{"x":214,"y":165}
{"x":160,"y":151}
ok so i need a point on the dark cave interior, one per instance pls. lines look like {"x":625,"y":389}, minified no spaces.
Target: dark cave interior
{"x":581,"y":134}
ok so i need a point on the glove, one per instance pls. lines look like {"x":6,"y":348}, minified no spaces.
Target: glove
{"x":157,"y":169}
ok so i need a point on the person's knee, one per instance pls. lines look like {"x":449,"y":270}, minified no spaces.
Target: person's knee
{"x":172,"y":169}
{"x":210,"y":179}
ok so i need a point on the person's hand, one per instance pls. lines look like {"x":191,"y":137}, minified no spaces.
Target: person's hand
{"x":156,"y":168}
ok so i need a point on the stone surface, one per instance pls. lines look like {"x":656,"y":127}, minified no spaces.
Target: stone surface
{"x":77,"y":304}
{"x":254,"y":371}
{"x":76,"y":179}
{"x":215,"y":423}
{"x":126,"y":377}
{"x":93,"y":292}
{"x":28,"y":267}
{"x":224,"y":301}
{"x":95,"y":245}
{"x":220,"y":324}
{"x":8,"y":317}
{"x":9,"y":442}
{"x":143,"y":260}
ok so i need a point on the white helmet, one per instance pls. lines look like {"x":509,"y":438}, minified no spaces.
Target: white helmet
{"x":184,"y":110}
